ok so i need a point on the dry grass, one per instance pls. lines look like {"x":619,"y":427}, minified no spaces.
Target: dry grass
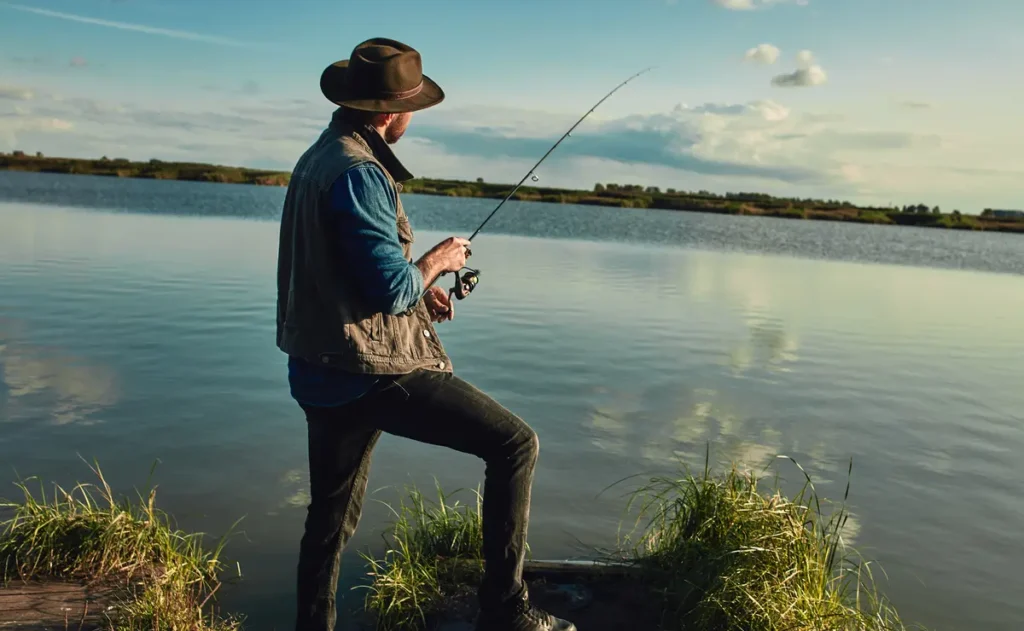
{"x":722,"y":553}
{"x":727,"y":555}
{"x":168,"y":578}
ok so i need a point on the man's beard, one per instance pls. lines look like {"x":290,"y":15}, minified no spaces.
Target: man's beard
{"x":395,"y":130}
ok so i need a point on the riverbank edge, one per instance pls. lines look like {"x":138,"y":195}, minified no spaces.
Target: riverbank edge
{"x":711,"y":551}
{"x":708,"y":545}
{"x":606,"y":195}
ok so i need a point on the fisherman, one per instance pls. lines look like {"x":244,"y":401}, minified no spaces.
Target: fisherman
{"x":356,"y":317}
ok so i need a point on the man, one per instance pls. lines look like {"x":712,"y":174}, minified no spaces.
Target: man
{"x":355,"y":315}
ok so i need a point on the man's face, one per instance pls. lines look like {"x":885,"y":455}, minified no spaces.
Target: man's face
{"x":396,"y":128}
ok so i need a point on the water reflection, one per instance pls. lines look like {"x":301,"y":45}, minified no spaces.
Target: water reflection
{"x":769,"y":347}
{"x":295,"y":489}
{"x":627,"y":360}
{"x":668,"y":424}
{"x":65,"y":387}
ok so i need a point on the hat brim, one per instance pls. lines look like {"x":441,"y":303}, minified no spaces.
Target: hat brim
{"x":332,"y":85}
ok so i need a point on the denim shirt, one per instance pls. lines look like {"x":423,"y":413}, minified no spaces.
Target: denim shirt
{"x":366,"y":205}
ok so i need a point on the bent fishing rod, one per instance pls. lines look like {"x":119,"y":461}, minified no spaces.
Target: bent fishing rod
{"x":467,"y":282}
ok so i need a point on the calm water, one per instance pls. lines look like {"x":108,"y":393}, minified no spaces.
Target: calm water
{"x":136,"y":326}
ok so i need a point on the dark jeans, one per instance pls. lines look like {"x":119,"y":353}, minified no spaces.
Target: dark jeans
{"x":430,"y":407}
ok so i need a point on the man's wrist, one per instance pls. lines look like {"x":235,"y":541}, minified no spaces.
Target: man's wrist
{"x":430,"y":269}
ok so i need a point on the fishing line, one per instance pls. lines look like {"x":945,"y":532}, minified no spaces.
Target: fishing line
{"x":467,"y":282}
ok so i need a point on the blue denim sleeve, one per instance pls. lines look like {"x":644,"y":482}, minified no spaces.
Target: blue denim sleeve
{"x":366,"y":206}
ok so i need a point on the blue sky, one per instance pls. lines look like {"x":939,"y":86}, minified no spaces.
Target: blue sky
{"x":876,"y":101}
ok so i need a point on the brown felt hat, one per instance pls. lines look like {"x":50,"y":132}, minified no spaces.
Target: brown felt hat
{"x":382,"y":75}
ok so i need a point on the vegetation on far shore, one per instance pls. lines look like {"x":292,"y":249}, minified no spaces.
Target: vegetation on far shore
{"x":161,"y":578}
{"x":719,"y":551}
{"x":152,"y":170}
{"x":615,"y":195}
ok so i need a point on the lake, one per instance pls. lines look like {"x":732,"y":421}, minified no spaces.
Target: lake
{"x":137,"y":328}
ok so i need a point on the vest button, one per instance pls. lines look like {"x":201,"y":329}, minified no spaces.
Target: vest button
{"x":426,"y":333}
{"x":441,"y":365}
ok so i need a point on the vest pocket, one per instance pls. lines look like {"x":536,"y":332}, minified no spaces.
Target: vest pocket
{"x":377,"y":327}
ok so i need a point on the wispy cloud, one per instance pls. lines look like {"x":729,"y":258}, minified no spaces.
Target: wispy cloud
{"x":128,"y":26}
{"x":750,"y":145}
{"x":15,"y":93}
{"x":750,"y":5}
{"x":769,"y":110}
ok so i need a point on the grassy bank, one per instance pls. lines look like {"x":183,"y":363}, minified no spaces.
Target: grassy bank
{"x":717,"y":552}
{"x":161,"y":578}
{"x":613,"y":195}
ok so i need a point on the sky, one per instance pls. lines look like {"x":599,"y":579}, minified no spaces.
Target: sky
{"x":881,"y":102}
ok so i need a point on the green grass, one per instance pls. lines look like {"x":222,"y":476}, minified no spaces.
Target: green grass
{"x":723,"y":553}
{"x":166,"y":579}
{"x":425,"y":564}
{"x":728,"y":555}
{"x":961,"y":222}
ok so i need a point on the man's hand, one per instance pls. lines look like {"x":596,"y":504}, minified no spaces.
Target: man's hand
{"x":439,"y":304}
{"x":448,"y":256}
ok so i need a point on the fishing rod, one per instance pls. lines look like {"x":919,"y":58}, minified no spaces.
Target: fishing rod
{"x":467,"y":282}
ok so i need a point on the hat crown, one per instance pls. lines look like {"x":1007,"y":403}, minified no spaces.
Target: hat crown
{"x":382,"y":75}
{"x":384,"y":67}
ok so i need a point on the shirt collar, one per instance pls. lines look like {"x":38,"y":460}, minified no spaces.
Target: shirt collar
{"x":378,"y":146}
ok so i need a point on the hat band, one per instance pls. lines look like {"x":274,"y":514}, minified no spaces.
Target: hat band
{"x":402,"y":94}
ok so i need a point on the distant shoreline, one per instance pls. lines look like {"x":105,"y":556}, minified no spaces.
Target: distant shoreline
{"x":611,"y":195}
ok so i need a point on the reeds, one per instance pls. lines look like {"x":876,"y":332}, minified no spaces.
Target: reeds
{"x":721,"y":552}
{"x":164,"y":578}
{"x":429,"y":560}
{"x":727,"y":555}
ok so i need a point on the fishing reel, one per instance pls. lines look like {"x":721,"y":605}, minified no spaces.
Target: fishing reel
{"x":465,"y":283}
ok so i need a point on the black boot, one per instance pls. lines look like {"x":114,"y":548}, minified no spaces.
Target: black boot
{"x":519,"y":615}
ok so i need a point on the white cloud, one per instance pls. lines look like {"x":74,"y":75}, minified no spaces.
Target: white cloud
{"x":126,"y":26}
{"x":750,"y":5}
{"x":757,"y":145}
{"x":22,"y":121}
{"x":764,"y":53}
{"x":15,"y":93}
{"x":736,"y":5}
{"x":770,"y":110}
{"x":808,"y":73}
